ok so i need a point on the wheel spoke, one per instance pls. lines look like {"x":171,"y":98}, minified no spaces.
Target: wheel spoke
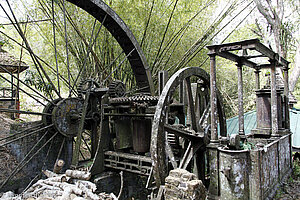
{"x":40,"y":59}
{"x":67,"y":48}
{"x":189,"y":153}
{"x":34,"y":59}
{"x":24,"y":162}
{"x":191,"y":103}
{"x":26,"y":135}
{"x":91,"y":44}
{"x":205,"y":116}
{"x":89,"y":149}
{"x":23,"y":112}
{"x":75,"y":157}
{"x":171,"y":156}
{"x":61,"y":148}
{"x":180,"y":132}
{"x":24,"y":131}
{"x":118,"y":65}
{"x":55,"y":50}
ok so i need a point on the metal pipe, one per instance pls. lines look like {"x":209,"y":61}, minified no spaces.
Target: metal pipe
{"x":129,"y":115}
{"x":213,"y":98}
{"x":286,"y":94}
{"x":257,"y":81}
{"x":274,"y":106}
{"x":240,"y":100}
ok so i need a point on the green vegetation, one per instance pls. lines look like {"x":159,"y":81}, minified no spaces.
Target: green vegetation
{"x":172,"y":34}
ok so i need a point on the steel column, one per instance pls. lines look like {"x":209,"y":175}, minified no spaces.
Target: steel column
{"x":257,"y":81}
{"x":213,"y":98}
{"x":213,"y":190}
{"x":240,"y":100}
{"x":286,"y":94}
{"x":274,"y":106}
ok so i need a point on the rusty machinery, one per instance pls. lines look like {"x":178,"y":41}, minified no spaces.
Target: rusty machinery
{"x":141,"y":133}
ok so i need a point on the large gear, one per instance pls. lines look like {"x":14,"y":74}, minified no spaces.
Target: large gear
{"x":117,"y":89}
{"x":141,"y":98}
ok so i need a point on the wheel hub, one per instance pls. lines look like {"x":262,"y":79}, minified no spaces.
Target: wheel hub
{"x":66,"y":116}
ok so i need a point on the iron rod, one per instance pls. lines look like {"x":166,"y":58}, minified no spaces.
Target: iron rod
{"x":67,"y":48}
{"x":257,"y":81}
{"x":55,"y":49}
{"x":91,"y":44}
{"x":118,"y":65}
{"x":240,"y":100}
{"x":23,"y":91}
{"x":26,"y":135}
{"x":18,"y":28}
{"x":286,"y":94}
{"x":23,"y":112}
{"x":191,"y":103}
{"x":87,"y":146}
{"x":23,"y":163}
{"x":14,"y":135}
{"x":37,"y":92}
{"x":213,"y":99}
{"x":274,"y":105}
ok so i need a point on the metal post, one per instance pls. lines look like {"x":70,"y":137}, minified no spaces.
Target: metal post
{"x":286,"y":94}
{"x":213,"y":98}
{"x":212,"y":147}
{"x":240,"y":100}
{"x":257,"y":81}
{"x":274,"y":106}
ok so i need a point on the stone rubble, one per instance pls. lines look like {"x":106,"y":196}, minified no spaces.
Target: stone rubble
{"x":181,"y":184}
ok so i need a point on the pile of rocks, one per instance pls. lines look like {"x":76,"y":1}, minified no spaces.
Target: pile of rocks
{"x":73,"y":185}
{"x":181,"y":184}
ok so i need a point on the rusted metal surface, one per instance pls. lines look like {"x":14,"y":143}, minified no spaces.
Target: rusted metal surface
{"x":286,"y":96}
{"x":123,"y":128}
{"x":284,"y":155}
{"x":263,"y":107}
{"x":128,"y":162}
{"x":255,"y":173}
{"x":270,"y":164}
{"x":65,"y":116}
{"x":257,"y":81}
{"x":241,"y":100}
{"x":214,"y":183}
{"x":141,"y":135}
{"x":274,"y":101}
{"x":224,"y":50}
{"x":213,"y":98}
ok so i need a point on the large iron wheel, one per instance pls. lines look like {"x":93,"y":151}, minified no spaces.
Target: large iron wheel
{"x":70,"y":121}
{"x":179,"y":136}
